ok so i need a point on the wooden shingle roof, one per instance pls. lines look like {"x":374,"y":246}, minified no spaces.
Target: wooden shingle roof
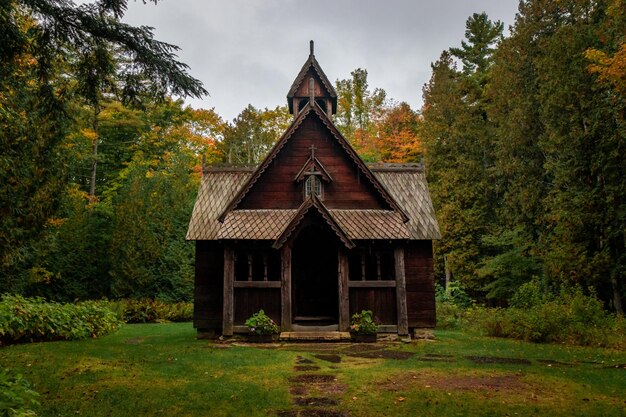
{"x":406,"y":183}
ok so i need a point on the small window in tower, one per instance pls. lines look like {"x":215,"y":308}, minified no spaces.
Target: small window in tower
{"x":313,"y":186}
{"x":322,"y":104}
{"x":302,"y":103}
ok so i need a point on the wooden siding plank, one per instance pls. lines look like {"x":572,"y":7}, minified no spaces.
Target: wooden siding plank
{"x":285,"y":289}
{"x":257,"y":284}
{"x":229,"y":278}
{"x":403,"y":322}
{"x":344,"y":295}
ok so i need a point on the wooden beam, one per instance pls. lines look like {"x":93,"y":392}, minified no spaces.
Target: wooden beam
{"x":387,"y":328}
{"x":257,"y":284}
{"x":229,"y":278}
{"x":241,"y":329}
{"x":344,"y":295}
{"x":285,"y":289}
{"x":403,"y":321}
{"x":372,"y":284}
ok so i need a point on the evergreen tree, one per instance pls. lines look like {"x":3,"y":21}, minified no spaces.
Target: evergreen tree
{"x":458,"y":138}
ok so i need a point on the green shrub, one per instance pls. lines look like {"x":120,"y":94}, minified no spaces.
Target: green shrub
{"x":571,"y":318}
{"x":34,"y":319}
{"x":17,"y":399}
{"x":151,"y":311}
{"x":449,"y":315}
{"x":260,"y":323}
{"x":363,"y":323}
{"x":455,"y":294}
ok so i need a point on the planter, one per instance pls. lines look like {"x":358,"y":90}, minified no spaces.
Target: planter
{"x":363,"y":338}
{"x":260,"y":338}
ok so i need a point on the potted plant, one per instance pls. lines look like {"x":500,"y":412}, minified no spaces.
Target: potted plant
{"x":261,"y":328}
{"x":363,"y":327}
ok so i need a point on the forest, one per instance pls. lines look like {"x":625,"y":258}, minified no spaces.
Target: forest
{"x":522,"y":134}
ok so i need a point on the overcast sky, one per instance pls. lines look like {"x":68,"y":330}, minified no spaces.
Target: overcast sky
{"x":250,"y":51}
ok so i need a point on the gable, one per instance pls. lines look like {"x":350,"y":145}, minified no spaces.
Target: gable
{"x":319,"y":90}
{"x":322,"y":87}
{"x":276,"y":187}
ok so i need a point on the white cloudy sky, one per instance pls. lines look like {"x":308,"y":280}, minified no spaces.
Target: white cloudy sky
{"x":250,"y":51}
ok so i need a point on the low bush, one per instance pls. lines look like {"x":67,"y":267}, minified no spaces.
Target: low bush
{"x":451,"y":305}
{"x":570,"y":318}
{"x":17,"y":399}
{"x":261,"y":324}
{"x":151,"y":311}
{"x":449,"y":315}
{"x":363,"y":323}
{"x":34,"y":319}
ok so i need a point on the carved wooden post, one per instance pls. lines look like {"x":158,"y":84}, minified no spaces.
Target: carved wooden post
{"x":229,"y":279}
{"x":403,"y":321}
{"x":344,"y":295}
{"x":285,"y":289}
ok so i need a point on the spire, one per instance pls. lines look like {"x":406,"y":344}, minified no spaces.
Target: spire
{"x":300,"y":92}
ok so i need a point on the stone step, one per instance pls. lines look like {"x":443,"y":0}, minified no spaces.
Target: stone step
{"x":315,"y":336}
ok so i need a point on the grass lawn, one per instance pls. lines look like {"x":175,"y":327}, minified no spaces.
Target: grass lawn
{"x":161,"y":369}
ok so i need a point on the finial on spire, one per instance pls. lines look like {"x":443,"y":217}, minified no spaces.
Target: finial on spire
{"x":311,"y":90}
{"x":311,"y":45}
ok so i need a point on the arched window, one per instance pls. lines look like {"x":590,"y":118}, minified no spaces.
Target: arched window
{"x":313,"y":186}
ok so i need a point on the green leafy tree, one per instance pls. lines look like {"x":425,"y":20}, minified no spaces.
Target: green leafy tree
{"x":458,"y":138}
{"x":47,"y":49}
{"x":253,"y":133}
{"x":359,"y":111}
{"x":560,"y":170}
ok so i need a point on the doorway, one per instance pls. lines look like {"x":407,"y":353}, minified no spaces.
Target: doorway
{"x":314,"y":276}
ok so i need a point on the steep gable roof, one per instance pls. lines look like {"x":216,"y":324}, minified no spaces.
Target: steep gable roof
{"x":308,"y":204}
{"x":311,"y":62}
{"x":313,"y":108}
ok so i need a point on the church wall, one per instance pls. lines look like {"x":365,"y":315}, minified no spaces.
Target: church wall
{"x":420,"y":284}
{"x":209,"y":286}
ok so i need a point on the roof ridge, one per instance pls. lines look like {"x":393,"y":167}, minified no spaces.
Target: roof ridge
{"x":396,"y":166}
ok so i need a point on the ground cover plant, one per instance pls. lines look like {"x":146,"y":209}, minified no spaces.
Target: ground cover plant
{"x":35,"y":319}
{"x":151,"y":311}
{"x":535,"y":314}
{"x":161,"y":369}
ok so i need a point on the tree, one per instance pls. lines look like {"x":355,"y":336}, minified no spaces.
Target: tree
{"x":152,"y":201}
{"x":358,"y":112}
{"x":560,"y":137}
{"x":458,"y":138}
{"x":253,"y":133}
{"x":39,"y":43}
{"x":398,"y":138}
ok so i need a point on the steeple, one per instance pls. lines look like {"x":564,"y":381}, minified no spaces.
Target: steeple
{"x":311,"y":84}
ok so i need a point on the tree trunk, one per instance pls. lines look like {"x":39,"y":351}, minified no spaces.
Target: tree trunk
{"x":94,"y":153}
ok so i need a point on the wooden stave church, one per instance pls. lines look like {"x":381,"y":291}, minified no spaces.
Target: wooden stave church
{"x":313,"y":234}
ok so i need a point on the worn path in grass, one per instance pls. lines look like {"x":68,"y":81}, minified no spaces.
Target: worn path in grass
{"x":152,"y":370}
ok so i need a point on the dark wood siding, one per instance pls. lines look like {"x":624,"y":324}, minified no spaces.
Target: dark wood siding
{"x":250,"y":300}
{"x":420,"y":284}
{"x":209,"y":286}
{"x":276,"y":188}
{"x":381,"y":301}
